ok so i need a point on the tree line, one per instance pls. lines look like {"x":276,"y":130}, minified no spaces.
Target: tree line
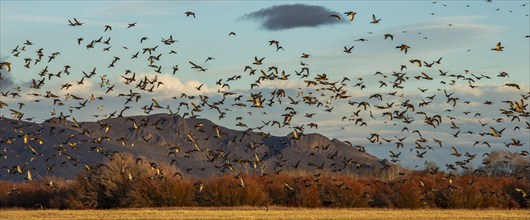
{"x":501,"y":182}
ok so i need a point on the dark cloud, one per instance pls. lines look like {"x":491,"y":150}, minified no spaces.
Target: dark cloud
{"x":282,"y":17}
{"x":5,"y":78}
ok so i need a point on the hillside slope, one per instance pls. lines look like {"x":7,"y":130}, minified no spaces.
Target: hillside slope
{"x":197,"y":147}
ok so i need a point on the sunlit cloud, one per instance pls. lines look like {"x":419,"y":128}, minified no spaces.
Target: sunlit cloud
{"x":173,"y":86}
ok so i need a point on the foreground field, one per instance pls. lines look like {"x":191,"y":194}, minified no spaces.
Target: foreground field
{"x":260,"y":213}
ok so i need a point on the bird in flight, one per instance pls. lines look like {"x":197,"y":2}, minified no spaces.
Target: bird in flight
{"x":350,"y":14}
{"x":6,"y":65}
{"x":348,"y":50}
{"x":195,"y":66}
{"x":335,"y":16}
{"x":75,"y":22}
{"x":258,"y":61}
{"x":498,"y":47}
{"x":375,"y":20}
{"x":403,"y":47}
{"x":189,"y":13}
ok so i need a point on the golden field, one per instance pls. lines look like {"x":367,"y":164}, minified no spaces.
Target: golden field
{"x":261,"y":213}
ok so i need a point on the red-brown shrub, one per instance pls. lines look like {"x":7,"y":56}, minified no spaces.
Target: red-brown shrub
{"x":121,"y":182}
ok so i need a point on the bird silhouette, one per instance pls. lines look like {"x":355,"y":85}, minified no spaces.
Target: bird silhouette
{"x":348,"y":50}
{"x":351,"y":14}
{"x":375,"y":20}
{"x":189,"y":13}
{"x":498,"y":47}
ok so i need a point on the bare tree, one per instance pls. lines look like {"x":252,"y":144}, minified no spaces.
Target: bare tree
{"x":506,"y":163}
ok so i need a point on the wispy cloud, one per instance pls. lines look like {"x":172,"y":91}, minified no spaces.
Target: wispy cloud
{"x":136,"y":10}
{"x":429,"y":40}
{"x":42,"y":19}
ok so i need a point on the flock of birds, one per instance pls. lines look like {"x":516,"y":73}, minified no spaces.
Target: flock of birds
{"x":316,"y":98}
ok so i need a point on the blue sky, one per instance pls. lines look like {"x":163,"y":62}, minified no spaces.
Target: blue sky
{"x":462,"y":35}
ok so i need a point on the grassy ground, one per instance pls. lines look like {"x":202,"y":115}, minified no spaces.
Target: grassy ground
{"x":260,"y":213}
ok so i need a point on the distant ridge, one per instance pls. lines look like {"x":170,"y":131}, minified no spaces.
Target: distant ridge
{"x":196,"y":146}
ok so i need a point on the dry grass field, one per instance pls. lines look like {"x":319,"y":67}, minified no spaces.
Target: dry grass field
{"x":260,"y":213}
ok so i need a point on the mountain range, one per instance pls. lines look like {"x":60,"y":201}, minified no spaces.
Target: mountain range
{"x":197,"y":147}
